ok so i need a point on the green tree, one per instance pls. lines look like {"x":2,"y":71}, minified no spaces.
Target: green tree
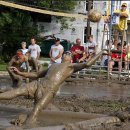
{"x":66,"y":5}
{"x":16,"y":26}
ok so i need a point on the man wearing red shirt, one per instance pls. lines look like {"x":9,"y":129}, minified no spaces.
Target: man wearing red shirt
{"x":116,"y":58}
{"x":77,"y":51}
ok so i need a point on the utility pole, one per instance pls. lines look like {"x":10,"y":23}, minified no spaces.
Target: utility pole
{"x":88,"y":21}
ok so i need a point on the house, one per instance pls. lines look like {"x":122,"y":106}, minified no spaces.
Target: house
{"x":76,"y":27}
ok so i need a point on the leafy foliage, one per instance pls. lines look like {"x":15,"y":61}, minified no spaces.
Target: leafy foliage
{"x":16,"y":26}
{"x":66,"y":5}
{"x":4,"y":19}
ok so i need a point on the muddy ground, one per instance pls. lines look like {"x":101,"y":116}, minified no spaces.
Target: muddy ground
{"x":83,"y":103}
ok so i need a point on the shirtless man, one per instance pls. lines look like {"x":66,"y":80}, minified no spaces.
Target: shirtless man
{"x":17,"y":61}
{"x":45,"y":90}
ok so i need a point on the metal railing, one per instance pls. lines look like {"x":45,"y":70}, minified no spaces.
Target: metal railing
{"x":100,"y":72}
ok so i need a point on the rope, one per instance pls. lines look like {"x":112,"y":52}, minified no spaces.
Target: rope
{"x":32,"y":9}
{"x":43,"y":11}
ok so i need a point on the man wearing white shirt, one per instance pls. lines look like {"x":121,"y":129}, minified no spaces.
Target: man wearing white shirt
{"x":56,"y":52}
{"x":91,"y":47}
{"x":34,"y":49}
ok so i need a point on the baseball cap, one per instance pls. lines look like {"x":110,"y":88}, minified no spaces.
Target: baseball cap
{"x":57,"y":39}
{"x":124,"y":4}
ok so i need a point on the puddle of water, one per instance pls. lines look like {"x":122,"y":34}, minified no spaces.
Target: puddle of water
{"x":93,"y":91}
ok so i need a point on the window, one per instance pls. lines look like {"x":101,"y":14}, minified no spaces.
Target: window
{"x":87,"y":3}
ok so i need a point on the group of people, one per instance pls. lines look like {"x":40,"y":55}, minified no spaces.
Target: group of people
{"x":118,"y":57}
{"x":117,"y":52}
{"x":80,"y":53}
{"x":26,"y":60}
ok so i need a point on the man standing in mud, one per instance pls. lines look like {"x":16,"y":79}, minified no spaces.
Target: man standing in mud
{"x":45,"y":89}
{"x":17,"y":61}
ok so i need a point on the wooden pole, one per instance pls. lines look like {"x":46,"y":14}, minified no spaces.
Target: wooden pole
{"x":88,"y":21}
{"x":110,"y":37}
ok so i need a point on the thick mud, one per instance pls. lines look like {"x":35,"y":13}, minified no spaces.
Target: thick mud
{"x":90,"y":97}
{"x":83,"y":104}
{"x":95,"y":89}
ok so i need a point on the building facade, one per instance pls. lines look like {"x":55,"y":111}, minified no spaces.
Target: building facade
{"x":76,"y":28}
